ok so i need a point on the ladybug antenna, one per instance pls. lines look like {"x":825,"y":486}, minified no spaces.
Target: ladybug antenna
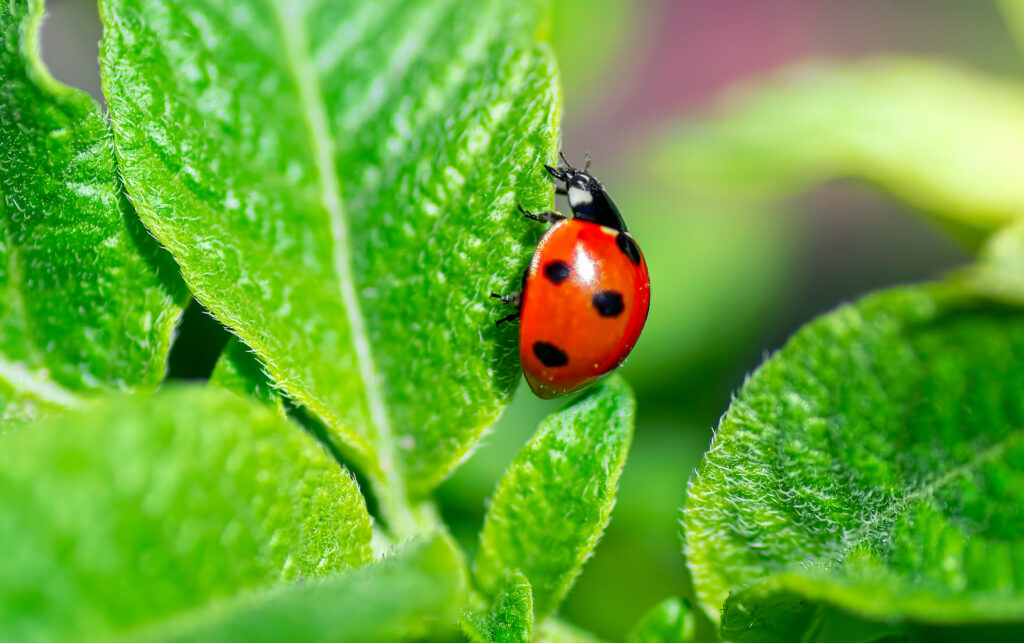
{"x":566,"y":161}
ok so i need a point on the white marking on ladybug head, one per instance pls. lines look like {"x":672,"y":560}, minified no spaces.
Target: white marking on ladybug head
{"x":579,"y":196}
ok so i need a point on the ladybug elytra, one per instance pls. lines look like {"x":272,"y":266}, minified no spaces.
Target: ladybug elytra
{"x":585,"y":294}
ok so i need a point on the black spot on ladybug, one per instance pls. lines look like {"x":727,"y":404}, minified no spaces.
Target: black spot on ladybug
{"x":550,"y":355}
{"x":628,"y":246}
{"x":608,"y":303}
{"x":557,"y":271}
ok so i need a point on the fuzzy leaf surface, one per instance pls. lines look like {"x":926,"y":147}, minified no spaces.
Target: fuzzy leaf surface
{"x":553,"y":503}
{"x":238,"y":370}
{"x":338,"y":182}
{"x":140,"y":509}
{"x":874,"y":464}
{"x":86,"y":298}
{"x":946,"y":139}
{"x":508,"y":619}
{"x":411,"y":594}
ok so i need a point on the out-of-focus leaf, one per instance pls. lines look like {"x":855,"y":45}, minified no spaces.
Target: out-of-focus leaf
{"x":240,"y":371}
{"x":553,"y":503}
{"x":1013,"y":12}
{"x":874,"y":464}
{"x":85,"y":303}
{"x":141,"y":509}
{"x":945,"y":139}
{"x":412,"y":594}
{"x":668,"y":622}
{"x":999,"y":271}
{"x":554,"y":630}
{"x":508,"y":619}
{"x":338,"y":182}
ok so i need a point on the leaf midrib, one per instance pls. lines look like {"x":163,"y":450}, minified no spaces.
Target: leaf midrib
{"x":300,"y":65}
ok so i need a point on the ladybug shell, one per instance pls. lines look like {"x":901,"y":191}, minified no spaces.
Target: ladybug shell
{"x":585,"y":301}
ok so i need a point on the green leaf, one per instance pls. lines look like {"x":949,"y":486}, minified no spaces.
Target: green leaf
{"x":140,"y":509}
{"x":943,"y":138}
{"x":239,"y":371}
{"x":1013,"y":13}
{"x":553,"y":630}
{"x":553,"y":503}
{"x":86,"y":302}
{"x":338,"y":182}
{"x":508,"y":619}
{"x":411,"y":594}
{"x":999,"y":271}
{"x":670,"y":621}
{"x":874,"y":464}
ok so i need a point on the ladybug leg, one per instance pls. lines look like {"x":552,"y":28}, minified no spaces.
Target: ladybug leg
{"x":561,"y":191}
{"x":515,"y":299}
{"x":546,"y":217}
{"x":506,"y":318}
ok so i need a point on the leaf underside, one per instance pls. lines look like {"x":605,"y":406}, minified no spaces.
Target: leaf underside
{"x":876,"y":464}
{"x":87,"y":300}
{"x":338,"y":183}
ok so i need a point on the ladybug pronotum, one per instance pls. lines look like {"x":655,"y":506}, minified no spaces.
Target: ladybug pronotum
{"x":585,"y":294}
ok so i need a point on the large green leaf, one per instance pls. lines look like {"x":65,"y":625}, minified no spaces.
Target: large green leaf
{"x":874,"y":464}
{"x":413,"y":593}
{"x":85,"y":303}
{"x":946,"y":139}
{"x":338,"y":182}
{"x":556,"y":498}
{"x":140,"y":509}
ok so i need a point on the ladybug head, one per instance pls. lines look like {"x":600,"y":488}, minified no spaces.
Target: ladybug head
{"x":586,"y":195}
{"x":580,"y":186}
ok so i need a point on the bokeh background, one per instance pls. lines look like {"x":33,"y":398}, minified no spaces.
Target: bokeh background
{"x":730,"y":284}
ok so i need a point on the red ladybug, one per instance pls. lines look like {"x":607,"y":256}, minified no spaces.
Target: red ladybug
{"x":585,"y":295}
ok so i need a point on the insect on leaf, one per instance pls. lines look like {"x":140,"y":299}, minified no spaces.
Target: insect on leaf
{"x":137,"y":510}
{"x":338,"y":182}
{"x":874,"y":465}
{"x":88,"y":301}
{"x":556,"y":498}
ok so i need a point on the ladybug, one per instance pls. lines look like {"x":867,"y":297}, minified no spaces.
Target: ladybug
{"x":585,"y":294}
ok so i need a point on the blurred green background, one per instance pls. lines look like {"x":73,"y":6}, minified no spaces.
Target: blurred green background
{"x":730,"y":282}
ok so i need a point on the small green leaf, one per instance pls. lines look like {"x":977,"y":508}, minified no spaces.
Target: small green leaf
{"x":999,"y":271}
{"x":412,"y":594}
{"x":668,"y":622}
{"x":87,"y":299}
{"x":875,"y":464}
{"x":140,"y":509}
{"x":509,"y":618}
{"x":553,"y":503}
{"x":238,"y":370}
{"x":948,"y":140}
{"x":553,"y":630}
{"x":338,"y":182}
